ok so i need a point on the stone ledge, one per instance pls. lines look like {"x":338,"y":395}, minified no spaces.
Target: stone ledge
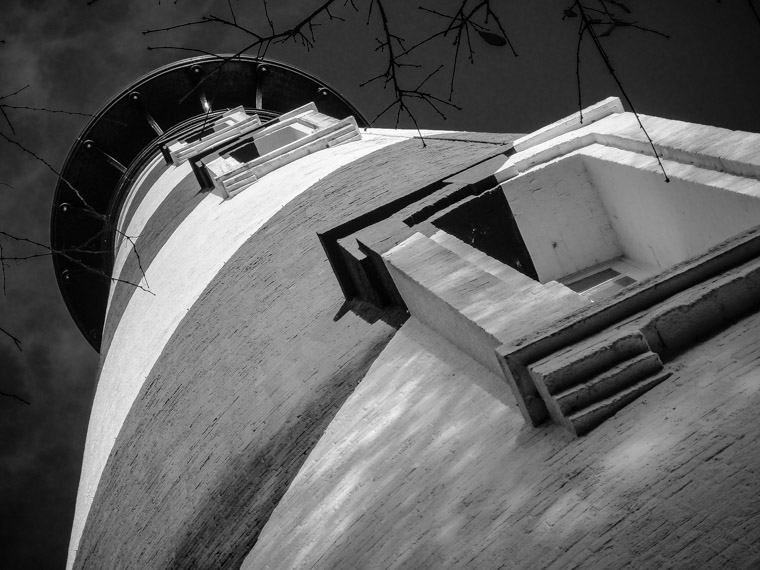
{"x":710,"y":291}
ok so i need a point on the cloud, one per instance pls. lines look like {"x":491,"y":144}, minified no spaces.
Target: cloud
{"x":40,"y":452}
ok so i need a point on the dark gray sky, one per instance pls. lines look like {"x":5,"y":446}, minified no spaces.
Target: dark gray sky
{"x":74,"y":57}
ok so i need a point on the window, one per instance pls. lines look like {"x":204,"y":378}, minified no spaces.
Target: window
{"x":229,"y":126}
{"x":606,"y":279}
{"x":236,"y":165}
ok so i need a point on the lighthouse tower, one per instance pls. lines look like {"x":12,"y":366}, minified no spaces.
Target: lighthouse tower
{"x":325,"y":345}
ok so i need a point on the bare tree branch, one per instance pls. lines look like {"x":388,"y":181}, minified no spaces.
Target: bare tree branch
{"x":587,"y":26}
{"x":7,"y":119}
{"x":461,"y":24}
{"x":260,"y":42}
{"x":754,"y":11}
{"x":16,"y":92}
{"x":45,"y":110}
{"x":471,"y":16}
{"x":67,"y":254}
{"x":269,"y":19}
{"x":297,"y":33}
{"x":232,"y":12}
{"x":14,"y":396}
{"x":390,"y":44}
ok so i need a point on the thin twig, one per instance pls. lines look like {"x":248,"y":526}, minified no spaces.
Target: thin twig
{"x":589,"y":27}
{"x":66,"y":254}
{"x":16,"y":92}
{"x":45,"y":110}
{"x":461,"y":23}
{"x":754,"y":11}
{"x":7,"y":119}
{"x":14,"y":396}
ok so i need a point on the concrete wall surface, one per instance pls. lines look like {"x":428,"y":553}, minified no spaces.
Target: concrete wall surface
{"x":662,"y":223}
{"x":596,"y":193}
{"x":247,"y":414}
{"x":237,"y":363}
{"x":183,"y":244}
{"x":561,"y":218}
{"x":426,"y":466}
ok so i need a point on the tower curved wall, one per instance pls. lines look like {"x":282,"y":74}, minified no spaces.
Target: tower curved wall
{"x":236,"y":346}
{"x":429,"y":465}
{"x":309,"y":371}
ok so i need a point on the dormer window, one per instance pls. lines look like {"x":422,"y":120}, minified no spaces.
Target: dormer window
{"x":237,"y":150}
{"x":230,"y":126}
{"x":293,"y":135}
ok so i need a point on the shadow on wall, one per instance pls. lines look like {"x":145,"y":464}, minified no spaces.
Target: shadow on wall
{"x":423,"y":468}
{"x":370,"y":313}
{"x":271,"y":475}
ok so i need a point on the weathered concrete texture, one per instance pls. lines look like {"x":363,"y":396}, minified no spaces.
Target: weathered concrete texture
{"x":571,"y":123}
{"x":635,"y":304}
{"x":469,"y":305}
{"x":493,"y":138}
{"x":698,"y":312}
{"x":248,"y":381}
{"x":425,"y":467}
{"x":660,"y":224}
{"x":591,"y":369}
{"x":711,"y":148}
{"x":182,"y":269}
{"x":562,"y":219}
{"x":477,"y":258}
